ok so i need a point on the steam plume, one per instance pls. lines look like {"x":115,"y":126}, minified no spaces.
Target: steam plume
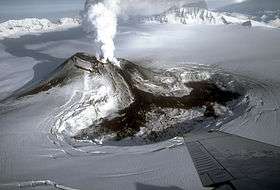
{"x":100,"y":21}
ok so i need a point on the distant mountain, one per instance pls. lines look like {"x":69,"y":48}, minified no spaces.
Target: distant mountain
{"x":187,"y":15}
{"x":275,"y":23}
{"x":260,"y":10}
{"x":17,"y":28}
{"x":195,"y":15}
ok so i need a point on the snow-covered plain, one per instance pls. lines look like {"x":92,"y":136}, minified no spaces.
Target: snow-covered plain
{"x":28,"y":152}
{"x":252,"y":54}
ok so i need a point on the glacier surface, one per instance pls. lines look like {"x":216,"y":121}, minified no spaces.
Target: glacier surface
{"x":33,"y":158}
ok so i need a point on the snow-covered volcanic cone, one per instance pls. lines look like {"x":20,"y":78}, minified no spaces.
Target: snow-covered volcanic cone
{"x":133,"y":105}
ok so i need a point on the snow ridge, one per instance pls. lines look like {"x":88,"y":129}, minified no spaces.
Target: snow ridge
{"x":17,"y":28}
{"x":275,"y":23}
{"x":196,"y":15}
{"x":176,"y":15}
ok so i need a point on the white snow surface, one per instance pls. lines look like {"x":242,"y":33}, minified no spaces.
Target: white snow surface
{"x":16,"y":28}
{"x":196,"y":15}
{"x":30,"y":153}
{"x":275,"y":23}
{"x":184,"y":15}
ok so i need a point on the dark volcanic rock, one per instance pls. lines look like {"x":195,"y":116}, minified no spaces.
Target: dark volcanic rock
{"x":141,"y":91}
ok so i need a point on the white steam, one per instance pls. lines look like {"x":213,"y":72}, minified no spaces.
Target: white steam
{"x":100,"y":21}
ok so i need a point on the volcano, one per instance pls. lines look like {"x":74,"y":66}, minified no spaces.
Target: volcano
{"x":151,"y":103}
